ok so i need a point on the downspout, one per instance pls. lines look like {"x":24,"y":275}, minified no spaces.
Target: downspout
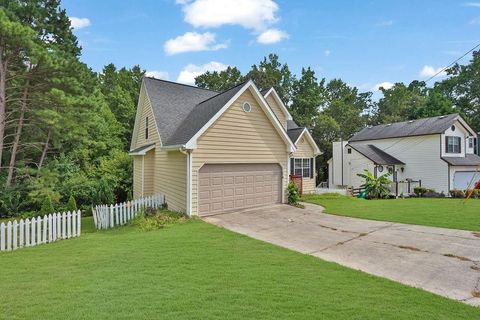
{"x":188,"y":153}
{"x":341,"y":146}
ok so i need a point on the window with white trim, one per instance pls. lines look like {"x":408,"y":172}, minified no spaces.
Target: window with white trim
{"x":302,"y":167}
{"x":470,"y":142}
{"x":453,"y":144}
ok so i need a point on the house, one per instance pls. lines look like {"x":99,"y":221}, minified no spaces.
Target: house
{"x":438,"y":153}
{"x":210,"y":152}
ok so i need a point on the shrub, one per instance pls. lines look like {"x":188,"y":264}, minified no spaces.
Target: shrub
{"x":158,"y":219}
{"x":455,"y":193}
{"x":47,"y":206}
{"x":293,"y":195}
{"x":71,"y":204}
{"x":375,"y":187}
{"x":419,"y":191}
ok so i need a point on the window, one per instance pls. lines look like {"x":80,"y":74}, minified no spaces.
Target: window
{"x":453,"y":144}
{"x":302,"y":167}
{"x":247,"y":107}
{"x":470,"y":143}
{"x":146,"y":128}
{"x":349,"y":150}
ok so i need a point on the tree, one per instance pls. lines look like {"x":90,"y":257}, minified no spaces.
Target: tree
{"x":271,"y":73}
{"x":220,"y":80}
{"x":375,"y":187}
{"x":71,"y":204}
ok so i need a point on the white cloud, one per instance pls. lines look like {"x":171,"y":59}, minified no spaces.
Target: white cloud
{"x":250,"y":14}
{"x":78,"y":23}
{"x":327,"y":52}
{"x":157,"y":74}
{"x":271,"y":36}
{"x":475,"y":21}
{"x":429,"y":71}
{"x":190,"y":71}
{"x":385,"y":85}
{"x":193,"y":41}
{"x":472,"y":4}
{"x":384,"y":23}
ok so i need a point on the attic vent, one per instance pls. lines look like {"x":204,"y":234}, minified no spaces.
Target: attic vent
{"x":388,"y":125}
{"x":247,"y":107}
{"x":441,"y":117}
{"x":411,"y":121}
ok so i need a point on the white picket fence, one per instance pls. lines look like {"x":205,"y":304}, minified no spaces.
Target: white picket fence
{"x":28,"y":233}
{"x":109,"y":216}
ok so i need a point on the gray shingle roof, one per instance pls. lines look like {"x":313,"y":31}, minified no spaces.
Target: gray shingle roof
{"x":141,"y":148}
{"x":200,"y":115}
{"x":292,"y":125}
{"x":407,"y":128}
{"x":469,"y":160}
{"x":295,"y":133}
{"x":172,"y":103}
{"x":375,"y":154}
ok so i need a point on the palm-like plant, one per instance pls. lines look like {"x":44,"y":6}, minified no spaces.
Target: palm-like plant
{"x":375,"y":187}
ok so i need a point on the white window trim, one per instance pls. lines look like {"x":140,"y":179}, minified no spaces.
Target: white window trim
{"x":302,"y":167}
{"x":459,"y":145}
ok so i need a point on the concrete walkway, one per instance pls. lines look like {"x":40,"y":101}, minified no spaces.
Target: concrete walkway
{"x":442,"y":261}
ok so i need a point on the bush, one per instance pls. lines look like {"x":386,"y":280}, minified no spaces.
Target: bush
{"x":419,"y":191}
{"x":71,"y":204}
{"x":293,"y":195}
{"x":158,"y":219}
{"x":455,"y":193}
{"x":47,"y":206}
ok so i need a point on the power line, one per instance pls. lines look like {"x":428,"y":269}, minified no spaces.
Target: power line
{"x":451,"y":64}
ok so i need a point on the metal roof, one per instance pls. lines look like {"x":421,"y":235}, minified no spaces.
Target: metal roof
{"x":417,"y":127}
{"x":375,"y":154}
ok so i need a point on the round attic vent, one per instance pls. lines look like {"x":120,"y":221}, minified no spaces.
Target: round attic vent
{"x":453,"y":128}
{"x":247,"y":107}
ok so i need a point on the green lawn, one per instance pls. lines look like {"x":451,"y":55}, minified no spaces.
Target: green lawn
{"x":198,"y":271}
{"x":446,"y":213}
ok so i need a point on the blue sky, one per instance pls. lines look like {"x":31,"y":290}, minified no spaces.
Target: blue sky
{"x":363,"y":42}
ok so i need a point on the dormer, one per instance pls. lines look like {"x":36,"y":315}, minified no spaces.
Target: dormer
{"x":458,"y":140}
{"x":277,"y":106}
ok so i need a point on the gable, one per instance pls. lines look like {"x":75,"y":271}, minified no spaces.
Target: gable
{"x":277,"y":111}
{"x":304,"y":148}
{"x":144,"y":110}
{"x":237,"y":134}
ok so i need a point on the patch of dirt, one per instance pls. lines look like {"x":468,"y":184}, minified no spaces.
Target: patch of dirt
{"x":409,"y":248}
{"x":457,"y":257}
{"x":476,"y":234}
{"x":476,"y":293}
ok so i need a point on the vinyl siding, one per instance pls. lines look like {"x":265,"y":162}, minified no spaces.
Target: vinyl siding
{"x":240,"y":137}
{"x":421,"y":155}
{"x":171,"y":178}
{"x":165,"y":170}
{"x":277,"y":110}
{"x":137,"y":177}
{"x":305,"y":150}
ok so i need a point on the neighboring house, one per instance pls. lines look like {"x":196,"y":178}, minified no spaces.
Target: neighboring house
{"x":210,"y":152}
{"x":439,"y":151}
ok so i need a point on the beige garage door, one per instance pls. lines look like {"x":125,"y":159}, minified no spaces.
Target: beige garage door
{"x":224,"y":187}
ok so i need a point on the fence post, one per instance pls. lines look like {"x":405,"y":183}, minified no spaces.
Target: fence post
{"x":33,"y":234}
{"x":54,"y":227}
{"x":112,"y":223}
{"x":74,"y":223}
{"x":64,"y":225}
{"x":9,"y":235}
{"x":14,"y":234}
{"x":27,"y":233}
{"x":50,"y":231}
{"x":2,"y":236}
{"x":69,"y":225}
{"x":59,"y":226}
{"x":39,"y":230}
{"x":117,"y":221}
{"x":45,"y":223}
{"x":21,"y":231}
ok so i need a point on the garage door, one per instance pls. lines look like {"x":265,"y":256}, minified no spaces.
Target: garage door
{"x":224,"y":187}
{"x":462,"y":179}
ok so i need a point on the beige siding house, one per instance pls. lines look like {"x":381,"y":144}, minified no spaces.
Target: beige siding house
{"x":438,"y":151}
{"x":210,"y":152}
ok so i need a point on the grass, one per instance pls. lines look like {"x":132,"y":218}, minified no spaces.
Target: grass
{"x":445,"y":213}
{"x":195,"y":270}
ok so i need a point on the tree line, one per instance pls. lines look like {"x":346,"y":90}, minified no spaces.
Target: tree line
{"x":65,"y":130}
{"x":334,"y":110}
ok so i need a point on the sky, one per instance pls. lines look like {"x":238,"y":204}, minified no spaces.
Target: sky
{"x":366,"y":43}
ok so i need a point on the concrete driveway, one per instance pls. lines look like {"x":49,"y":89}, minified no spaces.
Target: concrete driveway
{"x":442,"y":261}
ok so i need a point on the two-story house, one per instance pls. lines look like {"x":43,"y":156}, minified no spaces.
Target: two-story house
{"x":441,"y":152}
